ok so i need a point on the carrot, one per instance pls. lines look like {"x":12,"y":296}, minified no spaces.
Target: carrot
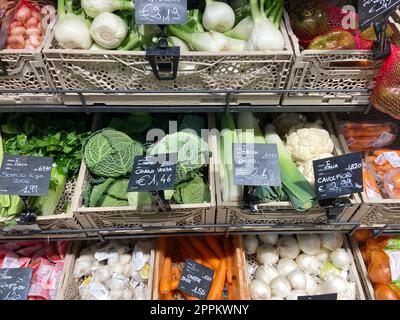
{"x":215,"y":246}
{"x":370,"y":159}
{"x":189,"y":297}
{"x":191,"y":251}
{"x":166,"y":275}
{"x":218,"y":283}
{"x":205,"y":252}
{"x":229,"y":259}
{"x":386,"y":167}
{"x":176,"y":275}
{"x":169,"y":296}
{"x":370,"y":183}
{"x":378,"y":152}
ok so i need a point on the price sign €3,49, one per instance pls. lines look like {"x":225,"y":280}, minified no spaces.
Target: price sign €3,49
{"x":160,"y":12}
{"x":25,"y":176}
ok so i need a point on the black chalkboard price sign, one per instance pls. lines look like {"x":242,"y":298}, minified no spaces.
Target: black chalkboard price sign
{"x":161,"y":12}
{"x":329,"y":296}
{"x":370,"y":11}
{"x":338,"y":176}
{"x":15,"y":283}
{"x":256,"y":164}
{"x":153,"y":173}
{"x":25,"y":176}
{"x":196,"y":279}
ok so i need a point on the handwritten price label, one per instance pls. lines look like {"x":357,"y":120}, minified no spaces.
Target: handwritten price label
{"x":371,"y":11}
{"x":161,"y":11}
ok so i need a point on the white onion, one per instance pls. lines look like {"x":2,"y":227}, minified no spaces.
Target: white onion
{"x":297,"y":279}
{"x":250,"y":244}
{"x":311,"y":285}
{"x":295,"y":294}
{"x":308,"y":264}
{"x":309,"y":243}
{"x":269,"y":238}
{"x":259,"y":290}
{"x":266,"y":273}
{"x":323,"y":255}
{"x":288,"y":247}
{"x":276,"y":298}
{"x":327,"y":270}
{"x":335,"y":284}
{"x":331,"y":241}
{"x":280,"y":287}
{"x":267,"y":255}
{"x":286,"y":266}
{"x":340,"y":258}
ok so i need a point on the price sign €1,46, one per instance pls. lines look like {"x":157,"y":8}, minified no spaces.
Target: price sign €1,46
{"x":153,"y":173}
{"x":25,"y":176}
{"x":160,"y":12}
{"x":338,"y":176}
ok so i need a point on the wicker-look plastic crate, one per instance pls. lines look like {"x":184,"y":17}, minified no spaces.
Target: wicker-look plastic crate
{"x":120,"y":217}
{"x":362,"y":270}
{"x":26,"y":70}
{"x":68,"y":288}
{"x":280,"y":212}
{"x":354,"y":276}
{"x":61,"y":219}
{"x":111,"y":70}
{"x":239,"y":280}
{"x":330,"y":70}
{"x":371,"y":212}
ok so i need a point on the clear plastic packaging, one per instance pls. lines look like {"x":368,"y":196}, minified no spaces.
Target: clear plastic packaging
{"x":391,"y":183}
{"x":367,"y":135}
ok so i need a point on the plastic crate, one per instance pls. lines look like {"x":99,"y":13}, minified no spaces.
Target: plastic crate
{"x":26,"y":70}
{"x":120,"y":217}
{"x":201,"y":71}
{"x":353,"y":276}
{"x":362,"y":270}
{"x":68,"y":288}
{"x":330,"y":70}
{"x":239,"y":282}
{"x":282,"y":212}
{"x":371,"y":212}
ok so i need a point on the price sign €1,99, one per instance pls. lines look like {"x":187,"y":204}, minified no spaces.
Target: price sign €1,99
{"x":153,"y":173}
{"x":338,"y":176}
{"x":25,"y":176}
{"x":160,"y":12}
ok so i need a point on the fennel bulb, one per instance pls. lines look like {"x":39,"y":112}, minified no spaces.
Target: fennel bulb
{"x":95,"y":46}
{"x":201,"y":41}
{"x":242,"y":30}
{"x":175,"y":41}
{"x":218,"y":16}
{"x":237,"y":45}
{"x":108,"y":30}
{"x":94,"y":7}
{"x":71,"y":31}
{"x":265,"y":36}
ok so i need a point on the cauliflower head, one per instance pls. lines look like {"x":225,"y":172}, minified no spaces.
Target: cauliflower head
{"x":307,"y":168}
{"x":307,"y":143}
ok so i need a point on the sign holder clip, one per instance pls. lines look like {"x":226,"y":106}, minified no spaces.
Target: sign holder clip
{"x":28,"y":216}
{"x":3,"y":69}
{"x":250,"y":201}
{"x":334,"y":207}
{"x":164,"y":60}
{"x":381,"y":47}
{"x":162,"y":202}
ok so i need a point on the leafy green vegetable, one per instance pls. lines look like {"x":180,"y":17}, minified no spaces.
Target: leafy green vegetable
{"x":191,"y":121}
{"x":110,"y":153}
{"x":192,"y":153}
{"x":192,"y":191}
{"x":108,"y":193}
{"x":134,"y":123}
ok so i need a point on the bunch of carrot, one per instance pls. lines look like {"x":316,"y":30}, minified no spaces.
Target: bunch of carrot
{"x":364,"y":136}
{"x":216,"y":253}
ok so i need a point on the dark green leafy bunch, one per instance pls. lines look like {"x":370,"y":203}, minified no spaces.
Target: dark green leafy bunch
{"x":55,"y":136}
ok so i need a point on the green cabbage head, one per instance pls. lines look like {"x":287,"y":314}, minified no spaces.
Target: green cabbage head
{"x":110,"y":153}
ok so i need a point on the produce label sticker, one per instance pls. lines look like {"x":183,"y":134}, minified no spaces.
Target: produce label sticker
{"x":393,"y":158}
{"x":15,"y":283}
{"x":153,"y":173}
{"x":196,"y":279}
{"x":370,"y":11}
{"x":160,"y":12}
{"x":394,"y":262}
{"x":98,"y":291}
{"x":338,"y":176}
{"x":329,"y":296}
{"x":256,"y":164}
{"x":25,"y":175}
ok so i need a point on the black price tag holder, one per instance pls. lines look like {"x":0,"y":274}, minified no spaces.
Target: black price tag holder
{"x":139,"y":180}
{"x":328,"y":296}
{"x":25,"y":166}
{"x":3,"y":69}
{"x":250,"y":202}
{"x":334,"y":206}
{"x":381,"y":46}
{"x":164,"y":60}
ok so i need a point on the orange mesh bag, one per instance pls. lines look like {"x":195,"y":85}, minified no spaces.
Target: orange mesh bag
{"x":385,"y":96}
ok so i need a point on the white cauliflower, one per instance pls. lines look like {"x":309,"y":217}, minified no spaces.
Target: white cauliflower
{"x":306,"y":125}
{"x":307,"y":143}
{"x":307,"y":169}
